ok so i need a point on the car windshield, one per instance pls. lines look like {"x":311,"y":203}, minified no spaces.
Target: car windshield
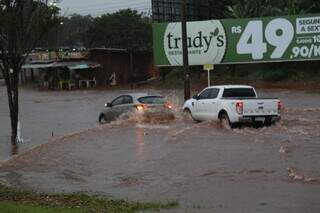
{"x":239,"y":93}
{"x":152,"y":100}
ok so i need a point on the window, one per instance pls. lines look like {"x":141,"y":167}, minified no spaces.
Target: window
{"x":214,"y":93}
{"x":205,"y":94}
{"x":239,"y":93}
{"x":117,"y":101}
{"x":152,"y":100}
{"x":127,"y":100}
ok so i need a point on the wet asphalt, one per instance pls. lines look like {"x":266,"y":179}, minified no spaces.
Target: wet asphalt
{"x":206,"y":167}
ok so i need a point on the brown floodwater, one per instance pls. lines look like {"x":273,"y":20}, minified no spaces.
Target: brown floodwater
{"x":204,"y":166}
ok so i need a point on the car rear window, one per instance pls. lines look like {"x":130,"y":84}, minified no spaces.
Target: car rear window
{"x":239,"y":93}
{"x":152,"y":100}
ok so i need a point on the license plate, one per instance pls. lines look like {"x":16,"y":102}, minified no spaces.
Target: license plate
{"x":262,"y":119}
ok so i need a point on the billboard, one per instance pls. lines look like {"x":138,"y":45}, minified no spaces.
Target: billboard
{"x":232,"y":41}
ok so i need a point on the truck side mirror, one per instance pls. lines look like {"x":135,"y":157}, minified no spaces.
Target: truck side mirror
{"x":196,"y":97}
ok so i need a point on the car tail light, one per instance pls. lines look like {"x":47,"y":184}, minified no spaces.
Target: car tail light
{"x":239,"y":107}
{"x":140,"y":107}
{"x":280,"y":106}
{"x":168,"y":105}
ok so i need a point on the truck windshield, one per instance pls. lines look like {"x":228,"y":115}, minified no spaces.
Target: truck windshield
{"x":239,"y":93}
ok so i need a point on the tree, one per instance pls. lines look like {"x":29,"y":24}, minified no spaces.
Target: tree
{"x":71,"y":32}
{"x":74,"y":29}
{"x":124,"y":29}
{"x":22,"y":24}
{"x":295,"y":7}
{"x":260,"y":8}
{"x":253,"y":8}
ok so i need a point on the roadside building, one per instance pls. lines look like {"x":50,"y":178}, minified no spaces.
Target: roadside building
{"x":119,"y":66}
{"x":62,"y":74}
{"x":99,"y":67}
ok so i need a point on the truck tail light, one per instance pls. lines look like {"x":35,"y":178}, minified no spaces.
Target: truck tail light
{"x":239,"y":107}
{"x":280,"y":106}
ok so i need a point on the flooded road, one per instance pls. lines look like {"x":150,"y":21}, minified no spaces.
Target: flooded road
{"x":48,"y":115}
{"x":204,"y":166}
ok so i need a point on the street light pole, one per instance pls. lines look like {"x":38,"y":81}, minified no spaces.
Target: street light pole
{"x":185,"y":51}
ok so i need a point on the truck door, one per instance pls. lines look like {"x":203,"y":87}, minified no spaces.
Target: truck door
{"x":210,"y":105}
{"x":199,"y":105}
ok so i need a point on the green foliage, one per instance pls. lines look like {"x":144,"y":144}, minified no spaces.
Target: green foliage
{"x":23,"y":23}
{"x":77,"y":201}
{"x":260,"y":8}
{"x":253,"y":8}
{"x":295,"y":7}
{"x":124,"y":29}
{"x":271,"y":75}
{"x":175,"y":78}
{"x":70,"y":32}
{"x":11,"y":207}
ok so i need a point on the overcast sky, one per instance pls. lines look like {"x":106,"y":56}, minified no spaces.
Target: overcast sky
{"x":98,"y":7}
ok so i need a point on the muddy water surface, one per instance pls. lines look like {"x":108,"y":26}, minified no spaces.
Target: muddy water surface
{"x":206,"y":167}
{"x":48,"y":115}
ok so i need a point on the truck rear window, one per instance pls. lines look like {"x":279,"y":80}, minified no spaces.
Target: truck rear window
{"x":239,"y":93}
{"x":152,"y":100}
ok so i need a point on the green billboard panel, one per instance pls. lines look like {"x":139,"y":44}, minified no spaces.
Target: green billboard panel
{"x":230,"y":41}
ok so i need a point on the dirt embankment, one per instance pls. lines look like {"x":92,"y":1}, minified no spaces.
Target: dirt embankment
{"x":290,"y":84}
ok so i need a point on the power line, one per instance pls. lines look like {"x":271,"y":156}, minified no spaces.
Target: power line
{"x":103,"y":4}
{"x":102,"y":12}
{"x":110,"y":7}
{"x":117,"y":4}
{"x":145,"y":10}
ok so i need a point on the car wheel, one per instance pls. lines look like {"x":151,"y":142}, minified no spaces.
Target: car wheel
{"x":102,"y":119}
{"x":225,"y":121}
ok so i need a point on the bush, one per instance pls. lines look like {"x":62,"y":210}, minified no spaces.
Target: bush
{"x":270,"y":75}
{"x":175,"y":78}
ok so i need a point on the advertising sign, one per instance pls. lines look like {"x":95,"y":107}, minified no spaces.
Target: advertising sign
{"x":230,"y":41}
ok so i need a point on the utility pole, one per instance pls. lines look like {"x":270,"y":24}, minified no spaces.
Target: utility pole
{"x":185,"y":51}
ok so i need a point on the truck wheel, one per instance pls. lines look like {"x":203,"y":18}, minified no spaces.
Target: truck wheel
{"x":258,"y":125}
{"x":102,"y":119}
{"x":188,"y":113}
{"x":225,"y":121}
{"x":268,"y":122}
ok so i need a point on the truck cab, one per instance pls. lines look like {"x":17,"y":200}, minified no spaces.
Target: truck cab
{"x":236,"y":103}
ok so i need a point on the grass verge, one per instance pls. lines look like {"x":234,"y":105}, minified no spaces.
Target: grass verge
{"x":11,"y":207}
{"x":13,"y":200}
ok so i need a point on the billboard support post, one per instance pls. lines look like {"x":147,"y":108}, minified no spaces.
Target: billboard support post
{"x":209,"y":78}
{"x":208,"y":67}
{"x":185,"y":51}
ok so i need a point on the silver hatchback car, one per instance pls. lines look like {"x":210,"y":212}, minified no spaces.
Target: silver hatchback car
{"x":150,"y":106}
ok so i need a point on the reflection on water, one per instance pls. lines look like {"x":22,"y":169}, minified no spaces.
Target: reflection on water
{"x":7,"y":149}
{"x":14,"y":149}
{"x":140,"y":143}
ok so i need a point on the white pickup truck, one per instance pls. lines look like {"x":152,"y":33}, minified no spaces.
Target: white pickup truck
{"x":233,"y":104}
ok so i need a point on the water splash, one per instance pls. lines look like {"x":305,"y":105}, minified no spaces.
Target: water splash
{"x":19,"y":138}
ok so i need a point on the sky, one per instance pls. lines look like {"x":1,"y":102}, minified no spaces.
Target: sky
{"x":99,"y":7}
